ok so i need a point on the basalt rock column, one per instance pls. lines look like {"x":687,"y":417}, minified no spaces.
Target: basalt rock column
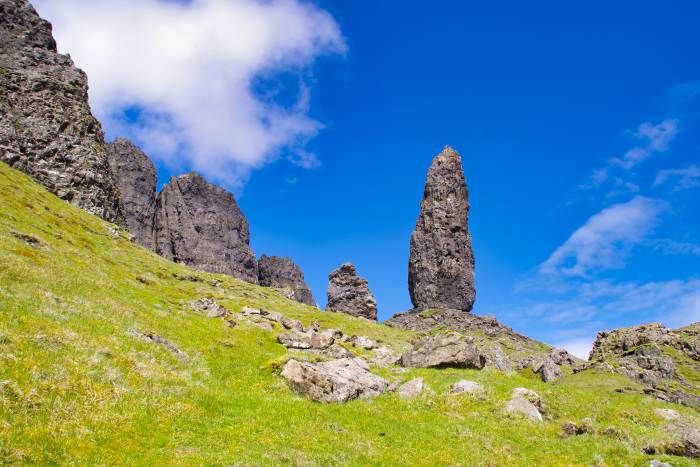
{"x":201,"y":225}
{"x":136,"y":179}
{"x":441,"y":263}
{"x":46,"y":128}
{"x":279,"y":272}
{"x":350,"y":294}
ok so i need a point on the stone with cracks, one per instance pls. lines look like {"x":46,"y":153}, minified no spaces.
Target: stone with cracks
{"x":46,"y":128}
{"x":279,"y":272}
{"x":525,"y":403}
{"x":466,"y":387}
{"x":444,"y":350}
{"x":348,"y":293}
{"x":201,"y":225}
{"x":441,"y":262}
{"x":136,"y":178}
{"x":411,"y":389}
{"x":339,"y":380}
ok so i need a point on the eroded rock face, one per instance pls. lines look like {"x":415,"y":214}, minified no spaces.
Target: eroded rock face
{"x":279,"y":272}
{"x":201,"y":225}
{"x":441,"y":263}
{"x":442,"y":351}
{"x":136,"y":178}
{"x":350,"y":294}
{"x":339,"y":380}
{"x":46,"y":127}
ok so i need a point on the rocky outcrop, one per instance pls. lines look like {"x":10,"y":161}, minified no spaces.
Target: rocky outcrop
{"x":652,"y":355}
{"x":339,"y":380}
{"x":279,"y":272}
{"x":441,"y":263}
{"x":46,"y":127}
{"x":348,"y":293}
{"x":443,"y":351}
{"x":201,"y":225}
{"x":136,"y":179}
{"x":525,"y":403}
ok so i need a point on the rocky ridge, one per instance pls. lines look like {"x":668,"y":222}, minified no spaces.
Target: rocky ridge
{"x":283,"y":273}
{"x":349,"y":293}
{"x":46,"y":127}
{"x":441,"y":262}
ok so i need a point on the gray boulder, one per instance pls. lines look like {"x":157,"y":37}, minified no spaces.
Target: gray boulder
{"x":525,"y":403}
{"x":46,"y":128}
{"x":466,"y":387}
{"x":201,"y":225}
{"x":295,"y":340}
{"x":339,"y":380}
{"x":549,"y":371}
{"x":348,"y":293}
{"x":136,"y":178}
{"x":441,"y":351}
{"x":279,"y":272}
{"x":411,"y":389}
{"x":441,"y":263}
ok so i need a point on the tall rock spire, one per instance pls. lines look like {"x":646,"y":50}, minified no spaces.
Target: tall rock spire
{"x":441,"y":263}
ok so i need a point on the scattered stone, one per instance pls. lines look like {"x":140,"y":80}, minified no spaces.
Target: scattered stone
{"x":444,"y":350}
{"x":313,"y":327}
{"x":688,"y":444}
{"x":667,"y":414}
{"x":294,"y":324}
{"x":201,"y":225}
{"x":384,"y":357}
{"x":525,"y":403}
{"x":156,"y":339}
{"x":658,"y":463}
{"x":30,"y":240}
{"x":46,"y":128}
{"x":209,"y":305}
{"x":281,"y":273}
{"x":135,"y":177}
{"x":364,"y":342}
{"x":576,"y":429}
{"x":348,"y":293}
{"x":295,"y":340}
{"x":549,"y":371}
{"x":247,"y":311}
{"x":441,"y":263}
{"x":323,"y":339}
{"x":272,"y":316}
{"x":411,"y":389}
{"x":338,"y":351}
{"x":339,"y":380}
{"x":466,"y":387}
{"x":496,"y":358}
{"x":263,"y":325}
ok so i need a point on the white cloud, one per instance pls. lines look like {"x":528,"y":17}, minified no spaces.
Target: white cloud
{"x":193,"y":67}
{"x":657,"y":138}
{"x":672,"y":247}
{"x":603,"y":241}
{"x":686,"y":178}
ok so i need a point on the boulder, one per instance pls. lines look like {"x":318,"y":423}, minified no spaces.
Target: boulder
{"x":295,"y":340}
{"x":667,"y":414}
{"x":441,"y":262}
{"x":411,"y":389}
{"x":323,"y":339}
{"x":444,"y":350}
{"x":339,"y":380}
{"x":280,"y":273}
{"x":46,"y":128}
{"x":525,"y":403}
{"x":466,"y":387}
{"x":209,"y":305}
{"x":294,"y":324}
{"x":364,"y":342}
{"x":384,"y":357}
{"x":201,"y":225}
{"x":348,"y":293}
{"x":549,"y":371}
{"x":136,"y":178}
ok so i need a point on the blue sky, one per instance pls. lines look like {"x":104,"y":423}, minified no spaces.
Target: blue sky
{"x":578,"y":126}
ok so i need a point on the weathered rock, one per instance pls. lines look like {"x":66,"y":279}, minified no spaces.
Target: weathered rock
{"x":339,"y":380}
{"x":156,"y":339}
{"x":348,"y":293}
{"x":411,"y":389}
{"x":525,"y":403}
{"x":295,"y":340}
{"x":201,"y":225}
{"x":688,"y":444}
{"x":650,"y":354}
{"x":441,"y":263}
{"x":213,"y":309}
{"x":136,"y":178}
{"x":279,"y":272}
{"x":658,"y":463}
{"x":444,"y":350}
{"x":46,"y":127}
{"x":323,"y":339}
{"x":249,"y":311}
{"x":338,"y":351}
{"x":466,"y":387}
{"x":577,"y":429}
{"x":364,"y":342}
{"x":294,"y":324}
{"x":667,"y":414}
{"x":384,"y":357}
{"x":549,"y":371}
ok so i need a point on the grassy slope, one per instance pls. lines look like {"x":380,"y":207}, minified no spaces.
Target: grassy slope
{"x":75,"y":386}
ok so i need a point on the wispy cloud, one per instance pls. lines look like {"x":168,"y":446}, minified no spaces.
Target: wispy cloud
{"x":193,"y":71}
{"x":657,"y":138}
{"x":672,"y":247}
{"x":605,"y":239}
{"x":684,"y":179}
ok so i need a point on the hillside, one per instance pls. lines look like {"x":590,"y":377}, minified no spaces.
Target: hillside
{"x":78,"y":384}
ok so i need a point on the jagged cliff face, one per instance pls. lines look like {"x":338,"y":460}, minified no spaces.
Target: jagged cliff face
{"x":279,"y":272}
{"x":136,"y":179}
{"x":201,"y":225}
{"x":441,"y":264}
{"x":349,"y":293}
{"x":46,"y":128}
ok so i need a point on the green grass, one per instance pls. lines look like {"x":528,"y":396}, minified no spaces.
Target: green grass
{"x":77,"y":387}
